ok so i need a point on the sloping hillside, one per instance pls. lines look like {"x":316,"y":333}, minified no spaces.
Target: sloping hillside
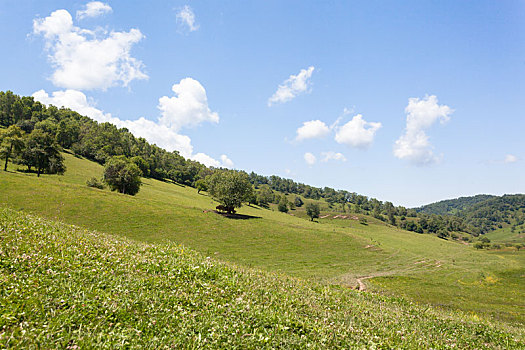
{"x":420,"y":267}
{"x":65,"y":287}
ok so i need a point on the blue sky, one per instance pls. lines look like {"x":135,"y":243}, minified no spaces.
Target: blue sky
{"x":407,"y":101}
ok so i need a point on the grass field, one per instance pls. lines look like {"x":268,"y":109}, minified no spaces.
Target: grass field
{"x":422,"y":268}
{"x":506,"y":235}
{"x":66,"y":287}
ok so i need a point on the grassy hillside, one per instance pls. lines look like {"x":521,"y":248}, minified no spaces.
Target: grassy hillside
{"x":66,"y":287}
{"x":422,"y":267}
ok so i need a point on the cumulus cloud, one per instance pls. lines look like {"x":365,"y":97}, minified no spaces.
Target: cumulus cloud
{"x":414,"y":144}
{"x":163,"y":132}
{"x":309,"y":158}
{"x":94,"y":9}
{"x":226,"y":162}
{"x":205,"y":159}
{"x":291,"y":87}
{"x":357,"y":132}
{"x":312,"y":129}
{"x":510,"y":158}
{"x":74,"y":100}
{"x":189,"y":106}
{"x":330,"y":155}
{"x":85,"y":60}
{"x":186,"y":19}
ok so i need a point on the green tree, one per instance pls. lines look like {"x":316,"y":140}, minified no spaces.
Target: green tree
{"x":251,"y":196}
{"x":122,"y":175}
{"x":298,"y":202}
{"x":479,"y":245}
{"x":283,"y":205}
{"x":230,"y":188}
{"x":264,"y":196}
{"x":11,"y":142}
{"x":313,"y":211}
{"x":42,"y":152}
{"x":201,"y":185}
{"x":442,"y":234}
{"x":142,"y":164}
{"x":484,"y":239}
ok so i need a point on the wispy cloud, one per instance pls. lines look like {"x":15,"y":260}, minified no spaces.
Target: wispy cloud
{"x":94,"y":9}
{"x":309,"y":158}
{"x":186,"y":19}
{"x":330,"y":155}
{"x":292,"y":87}
{"x":510,"y":158}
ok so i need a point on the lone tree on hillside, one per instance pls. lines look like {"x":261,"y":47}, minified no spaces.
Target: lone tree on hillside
{"x":201,"y":185}
{"x":230,"y":188}
{"x":10,"y":142}
{"x":283,"y":205}
{"x":313,"y":211}
{"x":122,"y":175}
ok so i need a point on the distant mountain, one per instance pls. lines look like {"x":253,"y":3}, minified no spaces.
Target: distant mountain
{"x":484,"y":212}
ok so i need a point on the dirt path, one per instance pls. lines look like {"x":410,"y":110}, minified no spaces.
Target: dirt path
{"x":362,"y":286}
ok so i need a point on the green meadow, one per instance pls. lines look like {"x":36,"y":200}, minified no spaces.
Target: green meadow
{"x":66,"y":287}
{"x":507,"y":235}
{"x":451,"y":276}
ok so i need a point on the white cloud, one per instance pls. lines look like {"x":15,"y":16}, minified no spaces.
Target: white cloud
{"x":414,"y":145}
{"x":74,"y":100}
{"x":186,"y":19}
{"x":205,"y":159}
{"x":309,"y":158}
{"x":357,"y":132}
{"x":291,"y":87}
{"x":83,"y":60}
{"x":312,"y":129}
{"x":226,"y":162}
{"x":188,"y":108}
{"x":94,"y":9}
{"x":165,"y":135}
{"x":330,"y":155}
{"x":510,"y":158}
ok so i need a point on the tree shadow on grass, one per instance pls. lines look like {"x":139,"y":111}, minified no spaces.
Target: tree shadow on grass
{"x":237,"y":216}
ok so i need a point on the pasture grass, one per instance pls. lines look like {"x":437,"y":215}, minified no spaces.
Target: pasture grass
{"x":334,"y":251}
{"x":506,"y":235}
{"x":62,"y":286}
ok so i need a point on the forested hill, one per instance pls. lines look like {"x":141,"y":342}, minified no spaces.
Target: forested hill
{"x":100,"y":142}
{"x":453,"y":206}
{"x":484,"y":212}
